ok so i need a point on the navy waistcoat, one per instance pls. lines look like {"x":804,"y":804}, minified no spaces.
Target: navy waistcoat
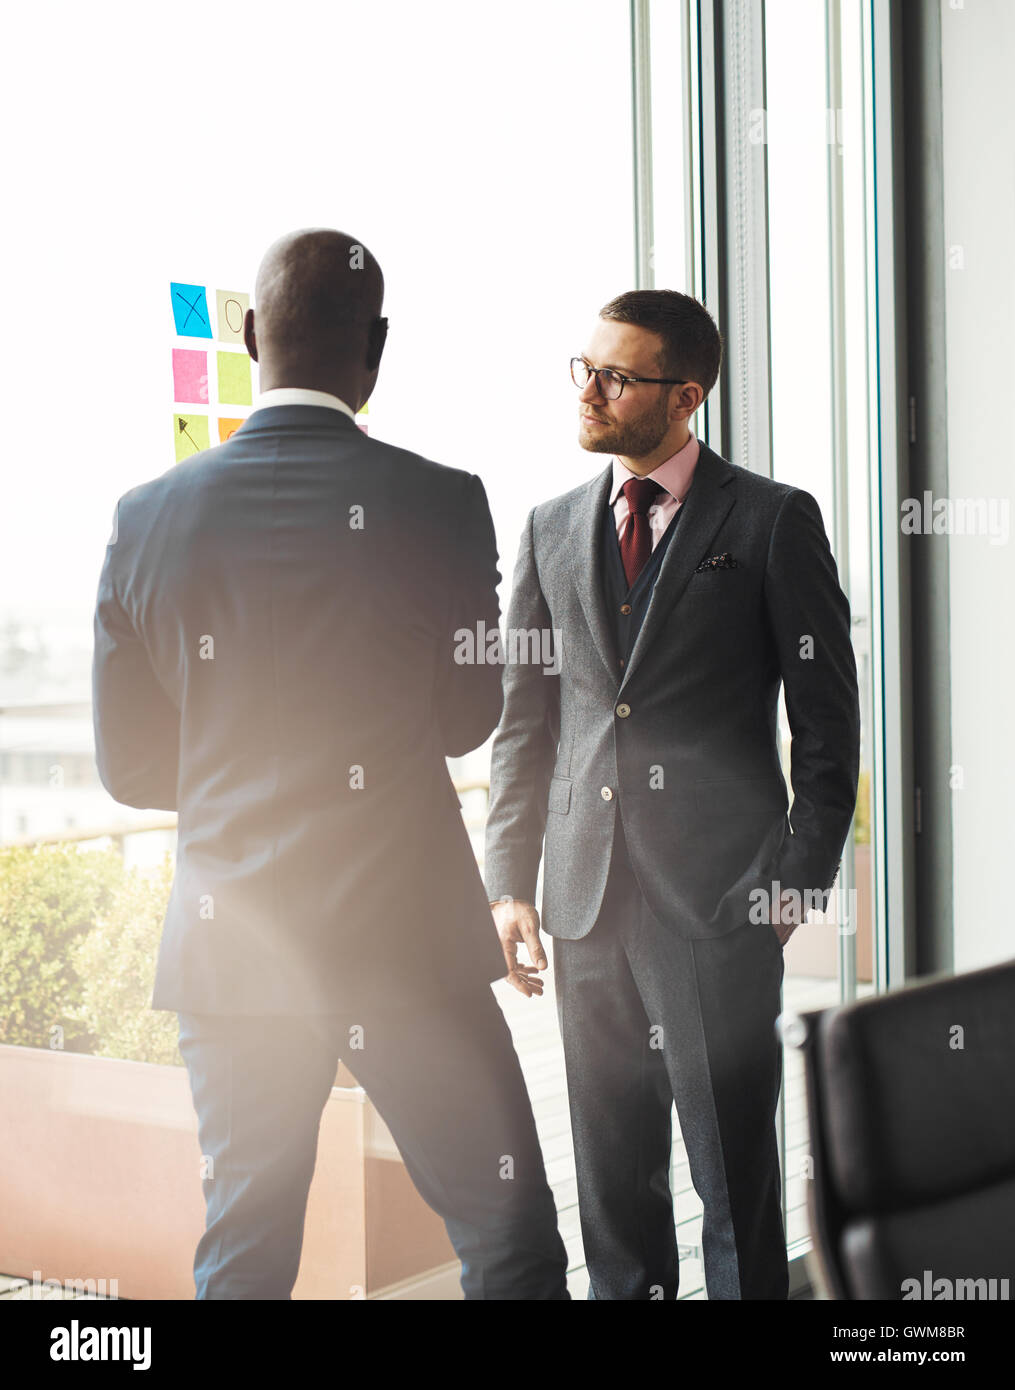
{"x":618,"y":594}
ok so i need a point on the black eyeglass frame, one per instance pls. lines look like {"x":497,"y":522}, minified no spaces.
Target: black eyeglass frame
{"x":599,"y":372}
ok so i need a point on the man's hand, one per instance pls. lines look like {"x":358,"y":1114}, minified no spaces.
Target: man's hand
{"x":786,"y":916}
{"x":517,"y":923}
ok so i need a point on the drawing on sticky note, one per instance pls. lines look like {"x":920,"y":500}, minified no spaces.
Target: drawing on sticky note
{"x":227,"y":428}
{"x":232,"y":308}
{"x":190,"y":435}
{"x":190,"y":310}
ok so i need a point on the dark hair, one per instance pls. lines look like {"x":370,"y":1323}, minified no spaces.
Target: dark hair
{"x":692,"y":345}
{"x":317,"y":291}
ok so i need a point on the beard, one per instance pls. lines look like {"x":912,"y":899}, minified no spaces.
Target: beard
{"x":634,"y":439}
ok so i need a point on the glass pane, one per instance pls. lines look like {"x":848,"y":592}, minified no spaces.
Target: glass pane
{"x":817,"y":259}
{"x":669,"y":270}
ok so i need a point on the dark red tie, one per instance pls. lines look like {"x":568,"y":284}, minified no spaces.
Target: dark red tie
{"x":636,"y":542}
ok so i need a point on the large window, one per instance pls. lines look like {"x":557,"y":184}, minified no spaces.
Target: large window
{"x":486,"y":155}
{"x":817,"y":133}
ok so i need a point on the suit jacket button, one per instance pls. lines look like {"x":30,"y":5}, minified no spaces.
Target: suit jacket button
{"x":625,"y":608}
{"x":623,"y":711}
{"x":606,"y":794}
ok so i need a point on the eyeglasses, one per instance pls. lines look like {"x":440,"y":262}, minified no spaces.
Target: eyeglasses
{"x":609,"y":383}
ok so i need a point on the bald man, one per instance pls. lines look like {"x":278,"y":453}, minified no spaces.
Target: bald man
{"x":275,"y":661}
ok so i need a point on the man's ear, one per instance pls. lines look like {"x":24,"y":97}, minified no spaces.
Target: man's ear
{"x":248,"y":333}
{"x":375,"y":343}
{"x":684,"y":410}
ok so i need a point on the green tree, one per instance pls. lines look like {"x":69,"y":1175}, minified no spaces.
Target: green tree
{"x":116,"y":965}
{"x":50,"y":897}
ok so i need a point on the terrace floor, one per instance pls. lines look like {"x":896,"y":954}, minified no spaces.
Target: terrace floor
{"x":533,"y":1024}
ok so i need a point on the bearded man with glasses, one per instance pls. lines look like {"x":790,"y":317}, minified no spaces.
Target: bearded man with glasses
{"x":645,"y":771}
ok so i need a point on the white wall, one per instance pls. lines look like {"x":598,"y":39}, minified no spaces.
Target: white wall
{"x":978,"y":59}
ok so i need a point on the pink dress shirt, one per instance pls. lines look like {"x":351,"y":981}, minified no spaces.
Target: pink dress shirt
{"x":673,"y":475}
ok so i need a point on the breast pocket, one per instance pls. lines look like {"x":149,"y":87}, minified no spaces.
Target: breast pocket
{"x":720,"y":586}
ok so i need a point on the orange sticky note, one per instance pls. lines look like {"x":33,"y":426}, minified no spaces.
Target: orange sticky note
{"x":227,"y":428}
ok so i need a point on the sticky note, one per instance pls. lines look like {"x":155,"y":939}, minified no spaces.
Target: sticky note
{"x":190,"y":435}
{"x":190,"y":376}
{"x":364,"y":409}
{"x":190,"y":310}
{"x":231,"y":307}
{"x":234,"y":378}
{"x":227,"y":428}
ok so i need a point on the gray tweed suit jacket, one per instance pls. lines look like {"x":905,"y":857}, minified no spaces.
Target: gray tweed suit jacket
{"x":681,"y":745}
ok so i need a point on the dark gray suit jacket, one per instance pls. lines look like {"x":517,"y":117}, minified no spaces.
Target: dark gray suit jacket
{"x":682,"y":744}
{"x":286,"y":682}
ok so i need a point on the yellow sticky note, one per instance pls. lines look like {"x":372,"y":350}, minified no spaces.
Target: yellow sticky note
{"x":234,"y":378}
{"x":190,"y":435}
{"x":231,"y":307}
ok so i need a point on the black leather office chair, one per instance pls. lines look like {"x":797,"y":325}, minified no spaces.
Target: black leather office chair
{"x":911,"y":1109}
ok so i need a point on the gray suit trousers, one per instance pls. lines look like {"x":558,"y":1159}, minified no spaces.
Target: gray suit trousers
{"x":648,"y":1018}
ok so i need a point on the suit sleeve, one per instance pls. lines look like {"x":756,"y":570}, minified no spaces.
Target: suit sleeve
{"x":137,"y":726}
{"x":469,"y":694}
{"x":525,"y":749}
{"x":810,"y":620}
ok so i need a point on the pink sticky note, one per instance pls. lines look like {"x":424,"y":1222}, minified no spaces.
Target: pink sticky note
{"x":190,"y":376}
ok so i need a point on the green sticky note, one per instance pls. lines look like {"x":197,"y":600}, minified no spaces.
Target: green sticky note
{"x":190,"y":435}
{"x":234,"y":378}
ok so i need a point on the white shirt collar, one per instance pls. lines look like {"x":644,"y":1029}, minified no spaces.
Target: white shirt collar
{"x":302,"y":395}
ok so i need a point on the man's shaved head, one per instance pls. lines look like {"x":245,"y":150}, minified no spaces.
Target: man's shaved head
{"x":317,"y":292}
{"x":317,"y":319}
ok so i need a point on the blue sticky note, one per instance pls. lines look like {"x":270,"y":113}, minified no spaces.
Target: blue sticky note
{"x":190,"y":310}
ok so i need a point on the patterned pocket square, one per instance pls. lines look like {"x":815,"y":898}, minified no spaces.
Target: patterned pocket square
{"x":725,"y":561}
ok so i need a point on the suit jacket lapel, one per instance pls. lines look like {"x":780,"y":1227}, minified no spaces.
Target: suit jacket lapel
{"x":711,"y":496}
{"x":585,"y":543}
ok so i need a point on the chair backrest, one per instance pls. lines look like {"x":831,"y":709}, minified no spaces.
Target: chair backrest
{"x":911,"y":1101}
